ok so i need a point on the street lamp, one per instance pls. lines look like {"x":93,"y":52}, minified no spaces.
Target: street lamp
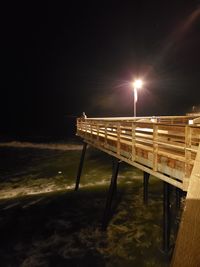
{"x":137,"y":84}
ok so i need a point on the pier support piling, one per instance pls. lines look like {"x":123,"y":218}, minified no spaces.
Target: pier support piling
{"x":111,"y":191}
{"x":178,"y":198}
{"x":166,"y":217}
{"x":80,"y":166}
{"x":145,"y":187}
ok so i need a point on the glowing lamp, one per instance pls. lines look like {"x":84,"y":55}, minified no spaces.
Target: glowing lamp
{"x":137,"y":84}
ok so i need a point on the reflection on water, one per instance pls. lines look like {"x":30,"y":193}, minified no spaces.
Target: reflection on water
{"x":62,"y":228}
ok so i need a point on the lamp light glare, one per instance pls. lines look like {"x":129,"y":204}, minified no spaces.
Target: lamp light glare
{"x":137,"y":84}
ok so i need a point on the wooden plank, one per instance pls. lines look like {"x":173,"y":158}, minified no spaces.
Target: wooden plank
{"x":171,"y":155}
{"x":162,"y":118}
{"x":187,"y":249}
{"x":172,"y":145}
{"x":161,"y":176}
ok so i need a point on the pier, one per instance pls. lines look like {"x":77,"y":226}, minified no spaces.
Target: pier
{"x":166,"y":147}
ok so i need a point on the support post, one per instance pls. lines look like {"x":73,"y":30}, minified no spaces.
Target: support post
{"x":111,"y":191}
{"x":80,"y":166}
{"x":178,"y":198}
{"x":145,"y":187}
{"x":166,"y":217}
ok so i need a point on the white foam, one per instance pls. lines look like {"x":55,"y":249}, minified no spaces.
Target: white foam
{"x":53,"y":146}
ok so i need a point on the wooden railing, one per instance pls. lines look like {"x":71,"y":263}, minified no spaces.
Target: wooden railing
{"x":165,"y":147}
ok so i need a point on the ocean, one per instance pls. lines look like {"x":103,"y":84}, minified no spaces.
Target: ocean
{"x":44,"y":222}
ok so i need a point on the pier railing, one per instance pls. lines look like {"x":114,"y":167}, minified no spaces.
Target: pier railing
{"x":165,"y":147}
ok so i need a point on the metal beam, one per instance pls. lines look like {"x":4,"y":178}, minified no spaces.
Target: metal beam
{"x":145,"y":187}
{"x":166,"y":217}
{"x":80,"y":166}
{"x":111,"y":191}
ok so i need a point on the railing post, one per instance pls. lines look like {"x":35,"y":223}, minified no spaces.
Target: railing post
{"x":118,"y":138}
{"x":91,"y":131}
{"x":78,"y":126}
{"x":80,"y":166}
{"x":188,"y":155}
{"x":97,"y":132}
{"x":155,"y":147}
{"x":85,"y":127}
{"x":106,"y":134}
{"x":133,"y":141}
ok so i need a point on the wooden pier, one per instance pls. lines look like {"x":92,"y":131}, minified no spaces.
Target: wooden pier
{"x":166,"y":147}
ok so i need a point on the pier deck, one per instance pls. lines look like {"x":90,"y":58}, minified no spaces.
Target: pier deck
{"x":165,"y":147}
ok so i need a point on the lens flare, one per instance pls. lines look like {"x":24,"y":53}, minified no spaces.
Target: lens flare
{"x":137,"y":84}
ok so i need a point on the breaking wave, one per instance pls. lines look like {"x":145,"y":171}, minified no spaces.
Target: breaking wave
{"x":47,"y":188}
{"x":52,"y":146}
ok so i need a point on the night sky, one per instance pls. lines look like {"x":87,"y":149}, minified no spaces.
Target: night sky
{"x":59,"y":60}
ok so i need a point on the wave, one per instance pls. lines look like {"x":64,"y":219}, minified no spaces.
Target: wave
{"x":47,"y":188}
{"x":52,"y":146}
{"x":50,"y":188}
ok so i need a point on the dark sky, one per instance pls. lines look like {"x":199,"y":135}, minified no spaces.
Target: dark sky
{"x":62,"y":59}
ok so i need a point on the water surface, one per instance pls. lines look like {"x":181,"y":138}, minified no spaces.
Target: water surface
{"x":43,"y":222}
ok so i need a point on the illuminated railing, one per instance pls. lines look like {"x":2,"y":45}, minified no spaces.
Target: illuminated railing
{"x":165,"y":147}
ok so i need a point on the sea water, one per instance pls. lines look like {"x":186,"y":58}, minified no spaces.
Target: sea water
{"x":43,"y":222}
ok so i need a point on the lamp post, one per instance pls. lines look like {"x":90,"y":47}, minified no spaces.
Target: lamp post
{"x":137,"y":84}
